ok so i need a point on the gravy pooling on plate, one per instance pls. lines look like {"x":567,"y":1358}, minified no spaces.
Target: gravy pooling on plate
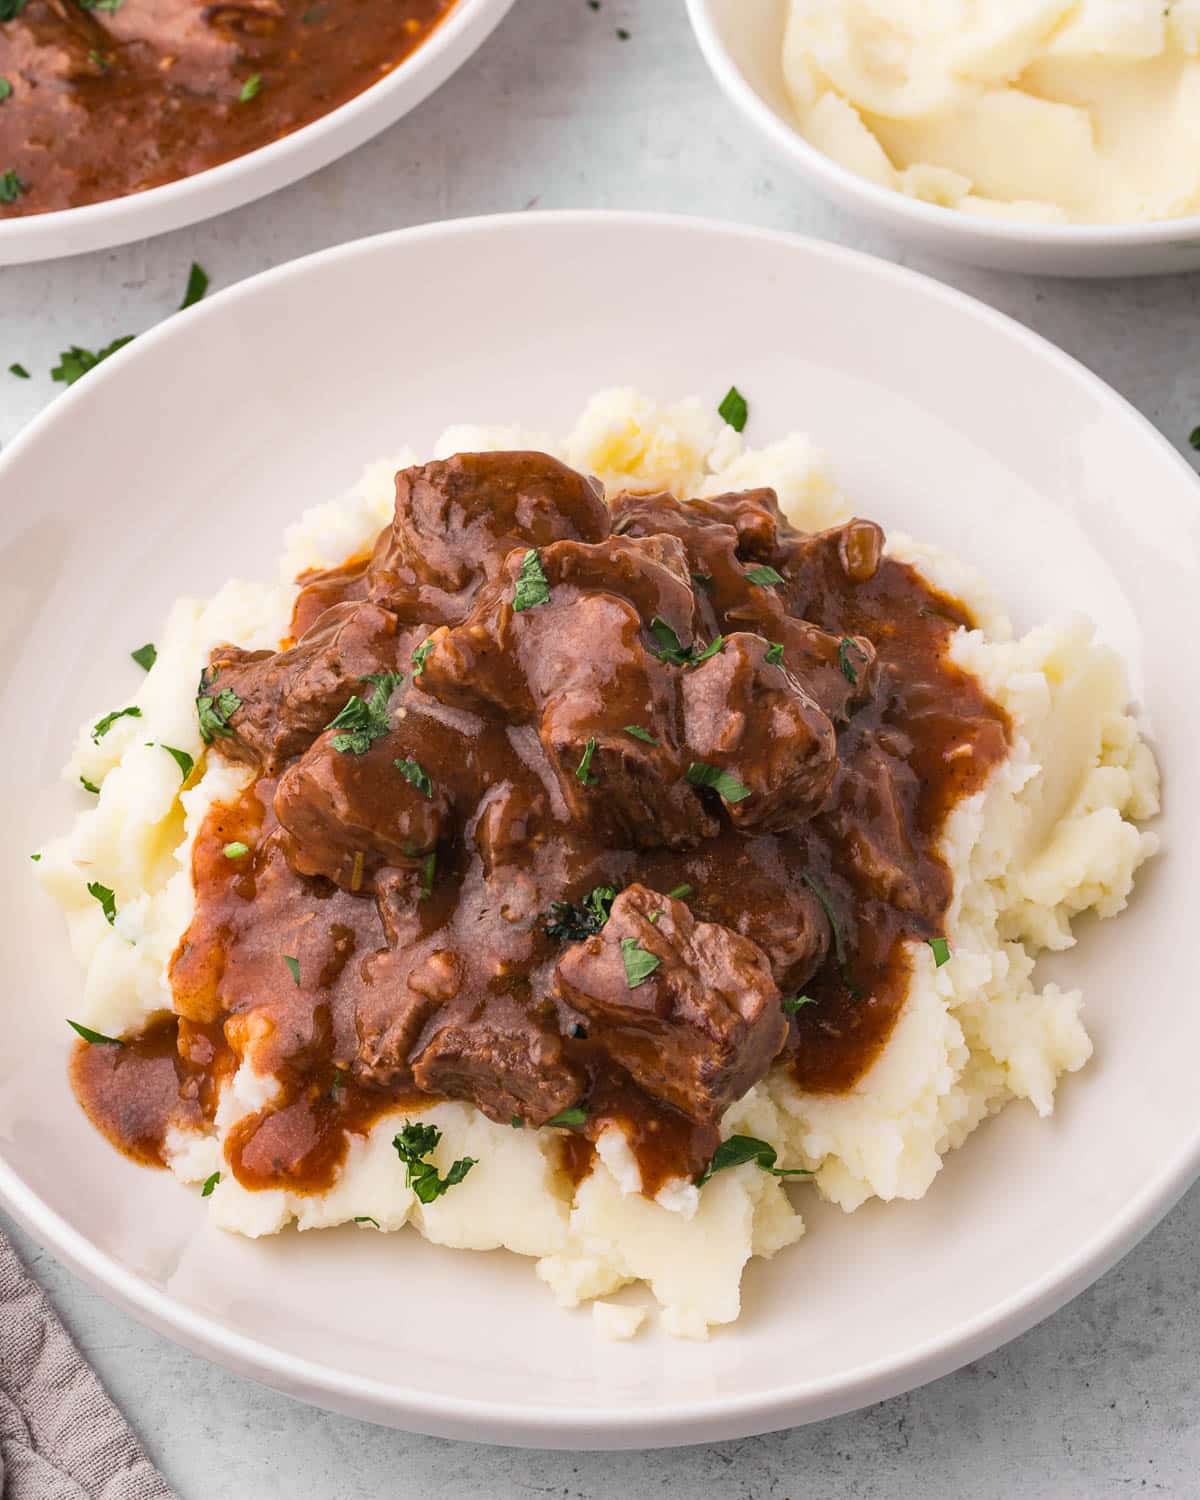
{"x":118,"y":96}
{"x":580,"y":814}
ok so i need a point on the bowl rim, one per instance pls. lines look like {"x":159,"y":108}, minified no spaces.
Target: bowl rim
{"x":968,"y":228}
{"x":612,"y":1426}
{"x":255,"y":174}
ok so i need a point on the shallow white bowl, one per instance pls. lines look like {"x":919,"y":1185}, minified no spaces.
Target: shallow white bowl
{"x":742,"y":41}
{"x":139,"y":215}
{"x":178,"y":464}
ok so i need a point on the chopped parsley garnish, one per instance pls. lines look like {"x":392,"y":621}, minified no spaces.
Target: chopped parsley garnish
{"x":774,"y":656}
{"x":95,"y":1038}
{"x":250,"y":88}
{"x":428,"y":870}
{"x":419,"y":655}
{"x":793,"y":1003}
{"x":848,"y":650}
{"x":583,"y":773}
{"x":209,"y":1184}
{"x":145,"y":656}
{"x":19,"y":371}
{"x":99,"y":59}
{"x":639,"y":965}
{"x":517,"y":1123}
{"x":1194,"y":439}
{"x":701,"y":580}
{"x":293,"y":967}
{"x":5,"y":89}
{"x":312,"y":14}
{"x":215,"y":712}
{"x":416,"y":775}
{"x":576,"y":1115}
{"x":734,"y":409}
{"x":364,"y":721}
{"x":641,"y":734}
{"x":681,"y":892}
{"x":743,"y":1148}
{"x":366,"y":1219}
{"x":572,"y":924}
{"x":101,"y":727}
{"x":107,"y":900}
{"x":35,"y":857}
{"x":941,"y":951}
{"x":89,"y":786}
{"x":197,"y":285}
{"x":236,"y":850}
{"x":11,"y":9}
{"x":765,"y":577}
{"x":700,"y":773}
{"x":112,"y":6}
{"x":181,"y":758}
{"x":74,"y":363}
{"x":532,"y":586}
{"x":839,"y":942}
{"x":622,"y":34}
{"x":11,"y":187}
{"x":668,"y":647}
{"x":413,"y":1144}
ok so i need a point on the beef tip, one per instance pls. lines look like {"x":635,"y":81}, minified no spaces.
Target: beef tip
{"x":458,"y":518}
{"x":508,"y":1062}
{"x":347,"y":814}
{"x":818,"y":560}
{"x":699,"y":1029}
{"x":323,"y":588}
{"x":288,"y":697}
{"x":755,"y":517}
{"x":870,"y":813}
{"x":840,"y":672}
{"x":390,"y":1011}
{"x":751,"y":718}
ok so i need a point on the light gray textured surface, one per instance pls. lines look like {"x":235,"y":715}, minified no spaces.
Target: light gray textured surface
{"x":558,"y":112}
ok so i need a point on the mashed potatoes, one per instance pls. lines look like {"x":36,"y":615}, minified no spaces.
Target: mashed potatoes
{"x":1059,"y":111}
{"x":1051,"y":835}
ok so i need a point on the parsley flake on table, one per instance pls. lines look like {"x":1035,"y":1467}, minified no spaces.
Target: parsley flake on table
{"x":639,"y":964}
{"x":145,"y":656}
{"x":197,"y":285}
{"x":108,"y":901}
{"x":413,"y":1144}
{"x":734,"y":409}
{"x":743,"y":1148}
{"x":533,"y":588}
{"x":1194,"y":439}
{"x":74,"y":363}
{"x":19,"y":371}
{"x":95,"y":1038}
{"x":416,"y":775}
{"x":700,"y":773}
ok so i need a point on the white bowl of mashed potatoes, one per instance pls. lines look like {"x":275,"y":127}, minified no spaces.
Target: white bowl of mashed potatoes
{"x":1054,"y":136}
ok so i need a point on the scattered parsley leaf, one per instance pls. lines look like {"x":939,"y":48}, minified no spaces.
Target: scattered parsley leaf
{"x":572,"y":924}
{"x":710,"y":650}
{"x":413,"y":1144}
{"x":19,"y":371}
{"x":145,"y":656}
{"x":89,"y":786}
{"x":293,"y":968}
{"x":1194,"y":439}
{"x":99,"y":59}
{"x":681,"y":892}
{"x":101,"y":727}
{"x":576,"y":1115}
{"x":416,"y":775}
{"x":839,"y":942}
{"x":111,"y":6}
{"x":517,"y":1123}
{"x":250,"y":88}
{"x":74,"y":363}
{"x":11,"y":187}
{"x":215,"y":712}
{"x":701,"y":580}
{"x":11,"y":9}
{"x":583,"y":772}
{"x":641,"y":734}
{"x":793,"y":1003}
{"x":622,"y":34}
{"x":95,"y":1038}
{"x":5,"y":89}
{"x":366,"y":1219}
{"x":181,"y":758}
{"x":35,"y":857}
{"x":774,"y":656}
{"x":700,"y":773}
{"x":532,"y":586}
{"x":236,"y":850}
{"x":428,"y":870}
{"x":734,"y":409}
{"x":108,"y":902}
{"x":419,"y":655}
{"x":941,"y":951}
{"x":847,"y":650}
{"x":639,"y":965}
{"x":765,"y":577}
{"x":362,"y":722}
{"x":743,"y":1148}
{"x":209,"y":1184}
{"x":197,"y":285}
{"x":668,"y":647}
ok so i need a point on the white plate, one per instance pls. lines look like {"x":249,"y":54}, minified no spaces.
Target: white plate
{"x":178,"y":464}
{"x":139,"y":215}
{"x":742,"y":41}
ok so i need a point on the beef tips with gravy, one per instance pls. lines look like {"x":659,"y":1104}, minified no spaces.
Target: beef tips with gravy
{"x":561,"y":808}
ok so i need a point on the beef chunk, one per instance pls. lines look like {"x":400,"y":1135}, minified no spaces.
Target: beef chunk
{"x":457,"y":519}
{"x":870,"y":811}
{"x":508,"y":1062}
{"x":288,"y":697}
{"x":701,"y":1028}
{"x":347,"y":814}
{"x":755,"y":517}
{"x":751,"y":718}
{"x":390,"y":1013}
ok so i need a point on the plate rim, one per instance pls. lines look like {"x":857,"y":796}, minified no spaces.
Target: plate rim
{"x":612,"y":1425}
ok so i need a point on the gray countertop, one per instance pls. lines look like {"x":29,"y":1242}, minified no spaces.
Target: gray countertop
{"x":556,"y":111}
